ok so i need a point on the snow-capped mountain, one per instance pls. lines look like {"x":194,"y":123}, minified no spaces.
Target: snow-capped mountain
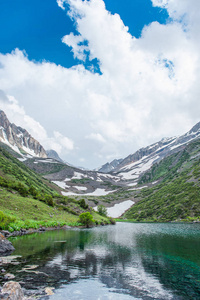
{"x":19,"y":139}
{"x":134,"y":165}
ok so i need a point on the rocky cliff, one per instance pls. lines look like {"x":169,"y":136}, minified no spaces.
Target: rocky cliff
{"x":19,"y":139}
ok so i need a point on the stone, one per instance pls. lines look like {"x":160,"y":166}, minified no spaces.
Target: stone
{"x":6,"y":247}
{"x":9,"y":276}
{"x":49,"y":291}
{"x":6,"y":233}
{"x":12,"y":291}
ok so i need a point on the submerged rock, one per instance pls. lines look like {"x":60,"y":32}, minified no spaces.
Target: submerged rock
{"x":5,"y":246}
{"x":12,"y":291}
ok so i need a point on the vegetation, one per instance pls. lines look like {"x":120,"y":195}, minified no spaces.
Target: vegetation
{"x":86,"y":219}
{"x":83,"y":204}
{"x":177,"y":197}
{"x":81,"y":181}
{"x":102,"y":210}
{"x":29,"y":201}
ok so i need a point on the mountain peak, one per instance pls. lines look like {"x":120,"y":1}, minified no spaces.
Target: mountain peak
{"x":195,"y":128}
{"x":53,"y":154}
{"x":18,"y":138}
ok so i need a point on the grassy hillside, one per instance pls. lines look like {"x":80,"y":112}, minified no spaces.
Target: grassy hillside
{"x":29,"y":201}
{"x":177,"y":197}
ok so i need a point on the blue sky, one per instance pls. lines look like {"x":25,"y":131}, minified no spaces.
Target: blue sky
{"x":96,"y":80}
{"x":38,"y":26}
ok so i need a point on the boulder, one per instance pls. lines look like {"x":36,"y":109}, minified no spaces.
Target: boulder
{"x":5,"y":246}
{"x":12,"y":291}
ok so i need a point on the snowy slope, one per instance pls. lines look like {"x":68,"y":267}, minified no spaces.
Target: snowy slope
{"x":133,"y":166}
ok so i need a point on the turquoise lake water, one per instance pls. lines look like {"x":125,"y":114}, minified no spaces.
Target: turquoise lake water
{"x":125,"y":261}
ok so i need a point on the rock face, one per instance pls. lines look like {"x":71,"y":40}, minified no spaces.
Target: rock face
{"x":19,"y":139}
{"x":5,"y":246}
{"x":108,"y":167}
{"x":12,"y":291}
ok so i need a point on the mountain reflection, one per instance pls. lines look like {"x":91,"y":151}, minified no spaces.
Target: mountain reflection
{"x":130,"y":258}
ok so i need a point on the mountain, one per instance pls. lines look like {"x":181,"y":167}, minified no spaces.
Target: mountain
{"x":28,"y":200}
{"x":172,"y":188}
{"x":53,"y":154}
{"x":19,"y":139}
{"x":133,"y":166}
{"x":108,"y":167}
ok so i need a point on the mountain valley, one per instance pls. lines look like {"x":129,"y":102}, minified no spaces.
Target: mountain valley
{"x":139,"y":178}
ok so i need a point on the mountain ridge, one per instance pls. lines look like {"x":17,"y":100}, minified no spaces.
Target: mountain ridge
{"x":19,"y":139}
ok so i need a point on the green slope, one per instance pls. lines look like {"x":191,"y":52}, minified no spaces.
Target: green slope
{"x":29,"y":201}
{"x":177,"y":197}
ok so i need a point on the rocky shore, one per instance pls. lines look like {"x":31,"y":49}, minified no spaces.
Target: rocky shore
{"x":23,"y":231}
{"x":6,"y":247}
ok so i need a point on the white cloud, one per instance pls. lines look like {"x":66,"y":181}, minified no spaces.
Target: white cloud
{"x":96,"y":137}
{"x":149,"y":87}
{"x":64,"y":141}
{"x":61,"y":4}
{"x":16,"y":114}
{"x":76,"y":42}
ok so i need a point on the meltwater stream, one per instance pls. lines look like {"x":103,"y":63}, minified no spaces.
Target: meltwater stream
{"x":125,"y":261}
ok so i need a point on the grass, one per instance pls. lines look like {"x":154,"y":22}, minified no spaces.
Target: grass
{"x":29,"y":213}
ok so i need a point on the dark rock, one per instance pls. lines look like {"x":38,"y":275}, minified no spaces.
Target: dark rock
{"x":42,"y":229}
{"x":9,"y":276}
{"x":6,"y":233}
{"x":12,"y":291}
{"x":5,"y":246}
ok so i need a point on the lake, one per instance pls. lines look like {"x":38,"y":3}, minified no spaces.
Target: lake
{"x":125,"y":261}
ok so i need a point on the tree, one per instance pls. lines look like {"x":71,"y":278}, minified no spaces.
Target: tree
{"x":102,"y":210}
{"x":83,"y":204}
{"x":86,"y":219}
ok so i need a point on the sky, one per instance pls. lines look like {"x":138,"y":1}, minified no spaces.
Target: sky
{"x":97,"y":80}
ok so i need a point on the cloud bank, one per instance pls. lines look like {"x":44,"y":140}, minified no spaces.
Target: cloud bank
{"x":148,"y":87}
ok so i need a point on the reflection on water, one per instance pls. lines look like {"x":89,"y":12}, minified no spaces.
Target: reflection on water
{"x":125,"y":261}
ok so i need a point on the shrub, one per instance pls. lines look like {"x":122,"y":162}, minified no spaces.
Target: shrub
{"x":102,"y":210}
{"x":22,"y":189}
{"x":86,"y":219}
{"x":112,"y":221}
{"x":48,"y":200}
{"x":83,"y":204}
{"x":5,"y":220}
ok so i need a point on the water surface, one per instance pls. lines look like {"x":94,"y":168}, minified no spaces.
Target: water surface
{"x":125,"y":261}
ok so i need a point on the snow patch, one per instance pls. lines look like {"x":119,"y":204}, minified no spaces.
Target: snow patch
{"x":97,"y":192}
{"x":22,"y":159}
{"x":135,"y":172}
{"x":80,"y":188}
{"x":118,"y":209}
{"x":60,"y":184}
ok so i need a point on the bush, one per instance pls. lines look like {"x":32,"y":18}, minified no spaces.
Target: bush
{"x":86,"y":219}
{"x":102,"y":210}
{"x":112,"y":221}
{"x":22,"y":189}
{"x":48,"y":200}
{"x":83,"y":204}
{"x":5,"y":221}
